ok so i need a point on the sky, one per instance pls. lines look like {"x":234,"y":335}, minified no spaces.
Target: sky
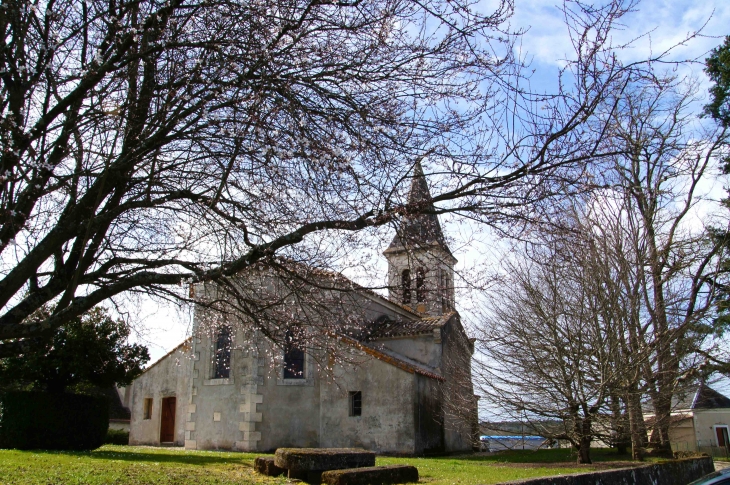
{"x":655,"y":26}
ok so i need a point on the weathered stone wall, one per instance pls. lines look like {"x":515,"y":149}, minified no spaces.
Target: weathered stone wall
{"x":168,"y":377}
{"x":429,"y":416}
{"x":289,"y":407}
{"x":435,"y":262}
{"x":388,"y":393}
{"x":679,"y":472}
{"x":459,"y":404}
{"x":420,"y":348}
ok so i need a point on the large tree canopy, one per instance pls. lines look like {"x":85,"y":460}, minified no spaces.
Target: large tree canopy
{"x":718,"y":68}
{"x":146,"y":143}
{"x":91,"y":350}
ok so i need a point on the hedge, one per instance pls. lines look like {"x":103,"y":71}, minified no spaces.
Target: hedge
{"x":38,"y":420}
{"x":117,"y":437}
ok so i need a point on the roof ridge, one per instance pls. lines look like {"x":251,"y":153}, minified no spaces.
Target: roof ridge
{"x":389,"y":359}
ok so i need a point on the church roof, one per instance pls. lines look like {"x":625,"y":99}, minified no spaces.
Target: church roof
{"x":385,"y":327}
{"x":390,"y":359}
{"x":421,"y":229}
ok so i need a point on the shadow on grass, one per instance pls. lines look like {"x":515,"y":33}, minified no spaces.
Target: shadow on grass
{"x":158,"y":456}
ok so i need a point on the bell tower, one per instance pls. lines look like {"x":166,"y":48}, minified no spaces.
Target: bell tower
{"x":420,"y":264}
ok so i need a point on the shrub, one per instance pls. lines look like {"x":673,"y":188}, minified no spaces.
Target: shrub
{"x":117,"y":437}
{"x":38,"y":420}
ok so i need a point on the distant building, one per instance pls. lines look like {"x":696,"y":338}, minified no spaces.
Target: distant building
{"x":699,"y":421}
{"x":414,"y":360}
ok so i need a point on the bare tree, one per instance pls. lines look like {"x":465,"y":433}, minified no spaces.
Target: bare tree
{"x":628,"y":259}
{"x":547,"y":353}
{"x":150,"y":143}
{"x":667,"y":153}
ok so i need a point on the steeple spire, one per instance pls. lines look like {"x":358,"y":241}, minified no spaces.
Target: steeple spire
{"x":420,"y":264}
{"x":420,"y":230}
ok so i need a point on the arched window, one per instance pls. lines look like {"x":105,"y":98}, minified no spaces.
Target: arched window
{"x":405,"y":285}
{"x":420,"y":285}
{"x":222,"y":353}
{"x":293,"y":356}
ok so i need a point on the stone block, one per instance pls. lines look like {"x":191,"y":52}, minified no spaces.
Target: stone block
{"x":322,"y":459}
{"x":190,"y":426}
{"x":247,"y":426}
{"x":265,"y":466}
{"x":384,"y":475}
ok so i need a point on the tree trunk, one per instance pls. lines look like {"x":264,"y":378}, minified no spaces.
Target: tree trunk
{"x":584,"y":451}
{"x":660,"y":435}
{"x":583,"y":431}
{"x":637,"y":425}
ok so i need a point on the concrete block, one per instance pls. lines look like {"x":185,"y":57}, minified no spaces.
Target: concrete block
{"x":675,"y":472}
{"x":384,"y":475}
{"x":246,"y":426}
{"x":256,"y":417}
{"x":265,"y":466}
{"x":322,"y":459}
{"x":245,"y":445}
{"x":251,"y":436}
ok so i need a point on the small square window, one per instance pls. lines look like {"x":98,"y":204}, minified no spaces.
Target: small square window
{"x":147,"y":408}
{"x":355,"y":403}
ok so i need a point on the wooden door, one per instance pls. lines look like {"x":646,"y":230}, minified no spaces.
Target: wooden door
{"x":722,"y":435}
{"x":167,"y":422}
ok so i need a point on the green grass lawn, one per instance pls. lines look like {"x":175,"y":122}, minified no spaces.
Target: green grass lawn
{"x":133,"y":465}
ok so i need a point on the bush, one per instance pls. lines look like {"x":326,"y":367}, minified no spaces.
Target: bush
{"x":117,"y":437}
{"x":38,"y":420}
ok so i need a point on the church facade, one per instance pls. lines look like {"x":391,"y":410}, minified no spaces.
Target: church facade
{"x":403,"y":388}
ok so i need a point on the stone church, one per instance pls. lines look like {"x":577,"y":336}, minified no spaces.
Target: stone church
{"x":404,"y":389}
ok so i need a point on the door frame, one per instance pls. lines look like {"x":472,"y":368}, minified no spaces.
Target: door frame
{"x":727,"y":433}
{"x":166,"y":400}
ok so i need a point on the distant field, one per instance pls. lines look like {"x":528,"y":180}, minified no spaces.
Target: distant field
{"x":134,"y":465}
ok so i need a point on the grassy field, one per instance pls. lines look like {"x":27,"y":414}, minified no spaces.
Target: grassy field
{"x":131,"y":465}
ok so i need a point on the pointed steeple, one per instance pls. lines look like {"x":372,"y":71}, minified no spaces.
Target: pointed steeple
{"x":420,"y":230}
{"x":420,"y":264}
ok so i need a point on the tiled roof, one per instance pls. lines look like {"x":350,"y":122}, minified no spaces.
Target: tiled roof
{"x":384,"y":327}
{"x":697,"y":396}
{"x":380,"y":355}
{"x":708,"y":398}
{"x":117,"y":410}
